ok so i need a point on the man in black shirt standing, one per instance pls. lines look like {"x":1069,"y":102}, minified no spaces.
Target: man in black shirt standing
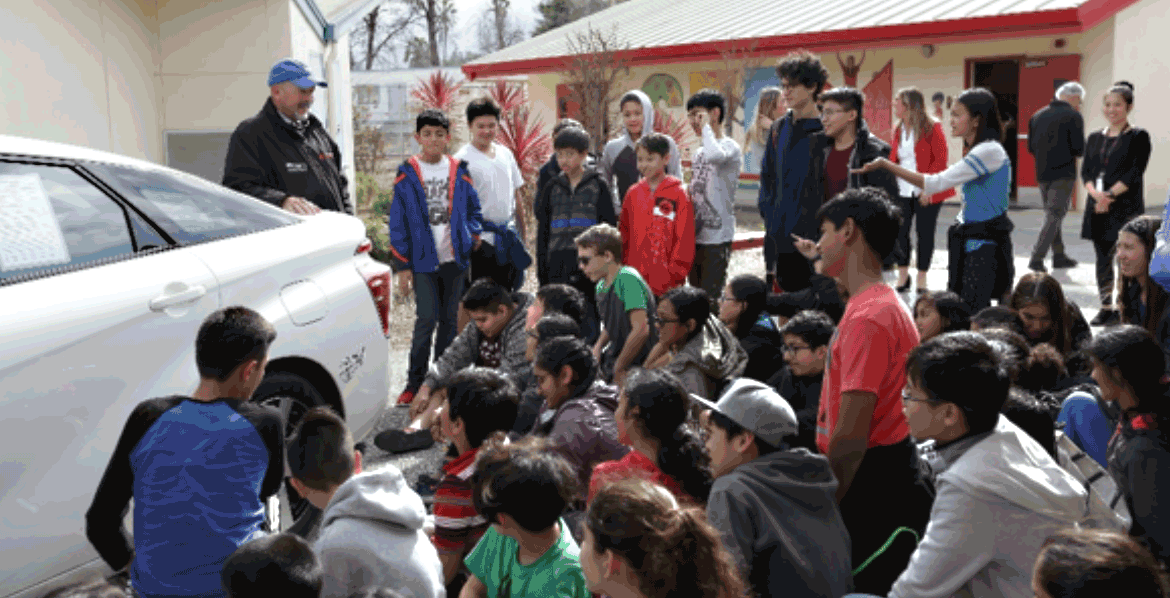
{"x":1056,"y":137}
{"x":283,"y":155}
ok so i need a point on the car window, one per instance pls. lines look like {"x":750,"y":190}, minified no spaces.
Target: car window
{"x":193,"y":210}
{"x":53,"y":220}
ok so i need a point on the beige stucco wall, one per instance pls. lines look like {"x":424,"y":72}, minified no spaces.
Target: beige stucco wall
{"x":1140,"y":47}
{"x":81,"y":71}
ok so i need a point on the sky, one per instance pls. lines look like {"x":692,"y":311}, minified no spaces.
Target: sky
{"x":469,"y":11}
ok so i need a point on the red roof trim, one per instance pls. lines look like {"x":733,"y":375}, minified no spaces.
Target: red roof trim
{"x":1052,"y":22}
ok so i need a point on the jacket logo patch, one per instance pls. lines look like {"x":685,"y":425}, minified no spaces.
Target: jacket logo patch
{"x":665,"y":208}
{"x":296,"y":167}
{"x":325,"y":156}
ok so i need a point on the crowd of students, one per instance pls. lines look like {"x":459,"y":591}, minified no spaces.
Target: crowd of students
{"x":643,"y":427}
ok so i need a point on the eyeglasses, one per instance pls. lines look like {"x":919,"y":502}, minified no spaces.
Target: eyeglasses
{"x":584,"y":260}
{"x":829,"y":113}
{"x":908,"y":398}
{"x":725,"y":299}
{"x":664,"y":321}
{"x":794,"y":349}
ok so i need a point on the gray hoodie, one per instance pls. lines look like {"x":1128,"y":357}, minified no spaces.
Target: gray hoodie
{"x":372,"y":536}
{"x":999,"y":496}
{"x":779,"y":519}
{"x":708,"y":360}
{"x":615,"y":147}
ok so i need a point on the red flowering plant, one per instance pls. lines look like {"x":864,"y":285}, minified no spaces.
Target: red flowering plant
{"x":438,"y":91}
{"x":523,"y":134}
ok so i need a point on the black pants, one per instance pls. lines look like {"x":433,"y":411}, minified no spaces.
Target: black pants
{"x":925,"y":221}
{"x":884,"y":496}
{"x":483,"y":265}
{"x":793,"y":271}
{"x":1105,"y":251}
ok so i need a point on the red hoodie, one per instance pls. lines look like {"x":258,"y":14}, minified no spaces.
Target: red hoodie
{"x":658,"y":233}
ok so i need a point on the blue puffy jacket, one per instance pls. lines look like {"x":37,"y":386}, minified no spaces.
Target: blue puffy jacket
{"x":411,"y":241}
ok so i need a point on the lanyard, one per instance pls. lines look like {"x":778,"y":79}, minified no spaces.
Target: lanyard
{"x":1107,"y":145}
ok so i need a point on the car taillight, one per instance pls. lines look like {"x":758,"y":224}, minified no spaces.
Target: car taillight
{"x":377,"y":277}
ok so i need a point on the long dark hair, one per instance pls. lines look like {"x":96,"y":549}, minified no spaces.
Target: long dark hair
{"x":753,"y":291}
{"x":663,"y":409}
{"x":1098,"y":564}
{"x":981,"y":103}
{"x":1041,"y":287}
{"x":1145,"y":228}
{"x":1134,"y":352}
{"x":690,"y":303}
{"x":673,"y":550}
{"x":955,"y":314}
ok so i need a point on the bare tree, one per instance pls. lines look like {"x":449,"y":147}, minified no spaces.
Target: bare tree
{"x":554,"y":13}
{"x":739,"y":62}
{"x":591,"y":73}
{"x":498,"y":29}
{"x":381,"y":30}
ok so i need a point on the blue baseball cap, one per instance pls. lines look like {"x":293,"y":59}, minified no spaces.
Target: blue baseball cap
{"x":295,"y":71}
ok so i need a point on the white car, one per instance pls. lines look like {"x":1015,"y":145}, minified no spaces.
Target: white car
{"x":108,"y":265}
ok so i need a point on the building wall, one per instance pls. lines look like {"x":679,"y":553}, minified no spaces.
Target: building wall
{"x":1139,"y":50}
{"x":81,"y":72}
{"x":1118,"y":48}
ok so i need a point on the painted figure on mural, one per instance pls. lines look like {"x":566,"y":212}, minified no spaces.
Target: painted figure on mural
{"x":850,"y":67}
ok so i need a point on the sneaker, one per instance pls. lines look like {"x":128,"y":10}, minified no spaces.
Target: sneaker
{"x":1106,"y":317}
{"x":1037,"y":265}
{"x":406,"y":398}
{"x":1063,"y":261}
{"x":401,"y":441}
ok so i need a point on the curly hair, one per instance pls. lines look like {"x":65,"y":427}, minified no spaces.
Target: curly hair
{"x":806,"y":69}
{"x":660,"y":405}
{"x":670,"y":549}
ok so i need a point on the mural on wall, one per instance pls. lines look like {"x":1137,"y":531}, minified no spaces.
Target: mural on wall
{"x":703,"y":79}
{"x":663,"y":90}
{"x":755,"y":83}
{"x":851,"y":67}
{"x":879,"y":93}
{"x":567,"y":107}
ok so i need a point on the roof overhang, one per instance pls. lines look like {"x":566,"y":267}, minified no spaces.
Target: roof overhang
{"x":343,"y":18}
{"x":1050,"y":22}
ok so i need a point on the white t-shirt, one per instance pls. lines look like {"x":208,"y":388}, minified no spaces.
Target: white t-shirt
{"x":909,"y":160}
{"x":436,"y":180}
{"x":496,"y":180}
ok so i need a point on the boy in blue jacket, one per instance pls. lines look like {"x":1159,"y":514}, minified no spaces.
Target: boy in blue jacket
{"x":435,"y":223}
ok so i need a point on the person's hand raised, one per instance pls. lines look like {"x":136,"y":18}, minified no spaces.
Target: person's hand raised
{"x":806,"y":247}
{"x":871,"y":166}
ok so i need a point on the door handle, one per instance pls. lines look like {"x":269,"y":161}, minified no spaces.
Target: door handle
{"x":173,"y":298}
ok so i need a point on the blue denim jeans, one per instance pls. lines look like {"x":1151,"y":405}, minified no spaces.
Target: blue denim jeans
{"x":436,"y":305}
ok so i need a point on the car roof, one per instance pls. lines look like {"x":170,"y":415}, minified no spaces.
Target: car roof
{"x":39,"y":148}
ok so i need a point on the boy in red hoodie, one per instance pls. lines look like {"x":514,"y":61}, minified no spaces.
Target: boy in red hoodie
{"x":658,"y":220}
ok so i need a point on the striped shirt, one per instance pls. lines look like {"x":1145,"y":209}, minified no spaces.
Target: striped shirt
{"x":458,"y":526}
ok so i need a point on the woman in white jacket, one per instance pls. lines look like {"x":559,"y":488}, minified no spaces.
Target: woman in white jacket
{"x":998,"y":494}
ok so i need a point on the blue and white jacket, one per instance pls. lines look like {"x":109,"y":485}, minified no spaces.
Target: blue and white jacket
{"x":412,"y":241}
{"x":985,"y":175}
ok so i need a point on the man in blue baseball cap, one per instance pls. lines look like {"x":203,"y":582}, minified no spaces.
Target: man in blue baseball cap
{"x":283,"y":155}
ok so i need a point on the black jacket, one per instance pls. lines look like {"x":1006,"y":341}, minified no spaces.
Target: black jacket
{"x":866,"y":149}
{"x":1139,"y":454}
{"x":270,"y":160}
{"x":763,"y":344}
{"x":803,"y":393}
{"x":1003,"y":272}
{"x":822,"y":294}
{"x":1123,"y":158}
{"x":1056,"y":137}
{"x":561,"y":214}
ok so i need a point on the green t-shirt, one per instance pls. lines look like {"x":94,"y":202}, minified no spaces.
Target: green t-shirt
{"x":556,"y":574}
{"x":629,"y":287}
{"x":614,"y":303}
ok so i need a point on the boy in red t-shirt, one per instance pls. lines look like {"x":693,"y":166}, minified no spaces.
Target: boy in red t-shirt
{"x":478,"y":402}
{"x":860,"y":414}
{"x":658,"y":220}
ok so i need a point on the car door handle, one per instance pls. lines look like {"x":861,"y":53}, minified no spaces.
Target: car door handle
{"x":175,"y":298}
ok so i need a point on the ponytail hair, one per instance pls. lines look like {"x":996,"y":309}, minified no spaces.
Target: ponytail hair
{"x":660,"y":405}
{"x":672,"y":550}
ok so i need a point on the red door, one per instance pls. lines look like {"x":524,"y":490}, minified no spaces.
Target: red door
{"x":1040,"y":76}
